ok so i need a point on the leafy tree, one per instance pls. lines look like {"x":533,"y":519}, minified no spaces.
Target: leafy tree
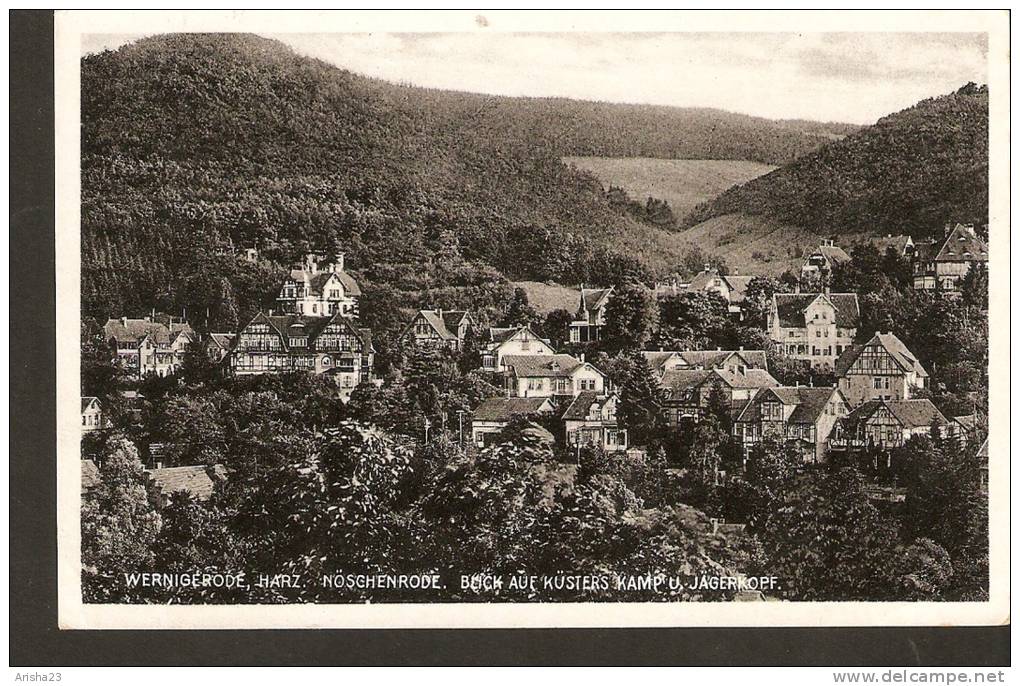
{"x":518,"y":311}
{"x":694,"y":321}
{"x":827,"y":542}
{"x":630,"y":318}
{"x":556,"y":327}
{"x":758,"y":299}
{"x":118,"y":523}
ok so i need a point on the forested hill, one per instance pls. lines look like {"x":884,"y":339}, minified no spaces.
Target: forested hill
{"x":911,"y":172}
{"x":194,"y":146}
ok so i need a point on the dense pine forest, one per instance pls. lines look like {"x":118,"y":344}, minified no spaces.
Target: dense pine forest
{"x":196,"y":146}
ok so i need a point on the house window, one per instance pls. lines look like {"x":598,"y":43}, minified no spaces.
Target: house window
{"x":878,"y":382}
{"x":535,"y":384}
{"x":525,"y":344}
{"x":326,"y":361}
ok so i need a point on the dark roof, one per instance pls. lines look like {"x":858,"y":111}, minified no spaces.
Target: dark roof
{"x":542,"y":365}
{"x":962,"y":245}
{"x":702,"y":279}
{"x":90,"y":477}
{"x":502,"y":409}
{"x":134,"y":330}
{"x":579,"y":407}
{"x":594,"y":298}
{"x":223,"y":340}
{"x":915,"y":413}
{"x":87,"y":401}
{"x":791,"y":307}
{"x":809,"y":403}
{"x":896,"y":349}
{"x":289,"y":325}
{"x":738,"y":286}
{"x":445,"y":322}
{"x":967,"y":422}
{"x":194,"y":479}
{"x":911,"y":414}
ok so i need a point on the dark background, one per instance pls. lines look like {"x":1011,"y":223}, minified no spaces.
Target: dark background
{"x":35,"y":640}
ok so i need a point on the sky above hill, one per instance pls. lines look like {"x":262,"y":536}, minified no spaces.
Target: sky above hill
{"x":845,"y":77}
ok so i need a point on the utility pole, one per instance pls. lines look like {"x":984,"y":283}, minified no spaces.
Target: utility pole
{"x":460,"y":427}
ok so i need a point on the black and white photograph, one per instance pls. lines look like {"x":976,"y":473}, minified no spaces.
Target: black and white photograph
{"x":672,"y":325}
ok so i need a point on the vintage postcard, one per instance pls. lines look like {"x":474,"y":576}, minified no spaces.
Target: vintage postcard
{"x":516,"y":319}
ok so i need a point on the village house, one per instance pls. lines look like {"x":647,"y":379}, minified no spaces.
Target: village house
{"x":881,"y":369}
{"x":689,"y":391}
{"x":319,"y":290}
{"x":439,"y":329}
{"x":591,"y":315}
{"x":939,"y":265}
{"x":333,"y":346}
{"x":804,"y":415}
{"x":218,"y":345}
{"x":887,"y":424}
{"x":901,"y":245}
{"x":198,"y":481}
{"x":91,"y":415}
{"x":662,"y":361}
{"x":494,"y":414}
{"x":501,"y":342}
{"x":590,"y":420}
{"x":815,"y":327}
{"x":819,"y":265}
{"x":152,"y":345}
{"x":551,"y":376}
{"x":730,"y":287}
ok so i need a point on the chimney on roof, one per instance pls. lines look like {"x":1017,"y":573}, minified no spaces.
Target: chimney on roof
{"x":338,"y":262}
{"x":708,"y":267}
{"x":796,"y":287}
{"x":582,"y":357}
{"x":311,"y":263}
{"x":123,"y":322}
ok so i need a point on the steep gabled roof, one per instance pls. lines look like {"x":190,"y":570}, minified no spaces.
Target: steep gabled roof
{"x":911,"y":414}
{"x":594,"y":298}
{"x":889,"y":342}
{"x":445,"y":322}
{"x":962,"y":245}
{"x":316,"y":281}
{"x":738,"y":287}
{"x":558,"y":365}
{"x":791,"y":307}
{"x":88,"y":401}
{"x":703,"y":279}
{"x":222,"y":340}
{"x":809,"y":403}
{"x":503,"y":409}
{"x":295,"y":325}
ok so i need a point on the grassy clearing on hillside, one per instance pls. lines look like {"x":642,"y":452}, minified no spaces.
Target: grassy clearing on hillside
{"x":681,"y":183}
{"x":753,"y":244}
{"x":546,"y":297}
